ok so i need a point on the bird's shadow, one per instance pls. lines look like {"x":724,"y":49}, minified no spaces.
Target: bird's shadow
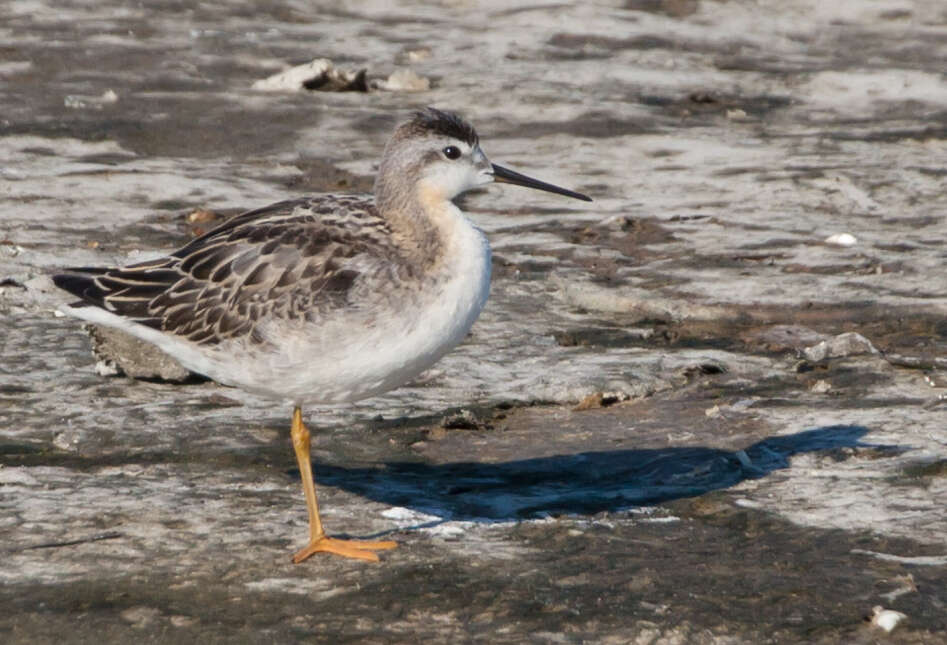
{"x":585,"y":483}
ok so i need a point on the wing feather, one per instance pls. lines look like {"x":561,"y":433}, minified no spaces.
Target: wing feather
{"x":293,"y":259}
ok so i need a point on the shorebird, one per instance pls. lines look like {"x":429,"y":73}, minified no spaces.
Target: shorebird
{"x":323,"y":299}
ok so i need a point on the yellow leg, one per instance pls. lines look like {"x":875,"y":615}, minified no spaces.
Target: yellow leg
{"x":318,"y":540}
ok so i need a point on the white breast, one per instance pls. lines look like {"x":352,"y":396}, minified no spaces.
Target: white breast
{"x":350,"y":359}
{"x":353,"y":354}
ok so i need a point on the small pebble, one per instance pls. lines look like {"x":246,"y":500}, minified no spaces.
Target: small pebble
{"x":841,"y":239}
{"x":886,"y":619}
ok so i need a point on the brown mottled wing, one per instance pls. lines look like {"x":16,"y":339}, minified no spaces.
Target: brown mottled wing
{"x":291,"y":260}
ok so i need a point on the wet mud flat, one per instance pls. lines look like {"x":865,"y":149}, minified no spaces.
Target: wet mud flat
{"x":708,"y":408}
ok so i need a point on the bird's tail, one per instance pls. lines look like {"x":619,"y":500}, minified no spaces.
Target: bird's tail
{"x":80,"y":282}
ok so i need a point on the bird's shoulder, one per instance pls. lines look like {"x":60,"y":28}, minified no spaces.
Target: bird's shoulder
{"x":308,"y":221}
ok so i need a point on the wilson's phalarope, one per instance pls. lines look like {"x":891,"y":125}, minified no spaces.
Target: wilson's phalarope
{"x":323,"y":299}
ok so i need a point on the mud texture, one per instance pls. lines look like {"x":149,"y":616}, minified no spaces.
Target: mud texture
{"x":708,"y":407}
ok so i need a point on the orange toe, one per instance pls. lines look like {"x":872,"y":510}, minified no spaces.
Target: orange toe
{"x":357,"y":549}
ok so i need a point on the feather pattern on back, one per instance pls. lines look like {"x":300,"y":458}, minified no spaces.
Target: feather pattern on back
{"x":289,"y":261}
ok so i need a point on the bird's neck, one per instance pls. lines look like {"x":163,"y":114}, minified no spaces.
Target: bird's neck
{"x":422,"y":220}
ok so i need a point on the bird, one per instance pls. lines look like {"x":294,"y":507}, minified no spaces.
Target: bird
{"x":324,"y":299}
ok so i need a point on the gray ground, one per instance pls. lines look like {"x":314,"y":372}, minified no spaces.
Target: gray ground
{"x":643,"y":439}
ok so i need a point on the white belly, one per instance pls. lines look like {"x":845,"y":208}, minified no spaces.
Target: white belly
{"x":366,"y":349}
{"x":370,"y":352}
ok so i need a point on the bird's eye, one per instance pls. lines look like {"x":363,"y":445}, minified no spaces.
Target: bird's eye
{"x":452,"y":152}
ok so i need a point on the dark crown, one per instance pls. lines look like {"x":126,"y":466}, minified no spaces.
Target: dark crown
{"x":448,"y":124}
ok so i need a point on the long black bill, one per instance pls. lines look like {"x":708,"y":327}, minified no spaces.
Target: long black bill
{"x":507,"y":176}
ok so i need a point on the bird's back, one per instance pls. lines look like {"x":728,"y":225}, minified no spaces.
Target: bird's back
{"x":293,"y":259}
